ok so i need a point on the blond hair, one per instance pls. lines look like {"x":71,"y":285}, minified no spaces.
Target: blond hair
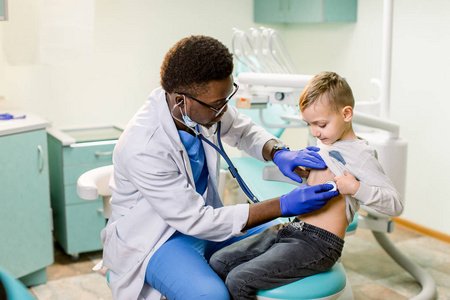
{"x":331,"y":84}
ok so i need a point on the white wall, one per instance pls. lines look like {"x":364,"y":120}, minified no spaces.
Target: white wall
{"x":109,"y":78}
{"x":113,"y":75}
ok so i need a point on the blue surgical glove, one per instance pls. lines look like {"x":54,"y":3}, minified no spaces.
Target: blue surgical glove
{"x":305,"y":199}
{"x":287,"y":161}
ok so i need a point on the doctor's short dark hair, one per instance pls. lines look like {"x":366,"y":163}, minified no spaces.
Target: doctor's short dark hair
{"x":193,"y":62}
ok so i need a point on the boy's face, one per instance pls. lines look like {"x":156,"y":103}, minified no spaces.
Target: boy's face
{"x":327,"y":125}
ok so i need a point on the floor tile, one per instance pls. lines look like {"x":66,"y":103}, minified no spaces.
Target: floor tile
{"x":403,"y":284}
{"x":426,"y":251}
{"x":375,"y":291}
{"x":87,"y":287}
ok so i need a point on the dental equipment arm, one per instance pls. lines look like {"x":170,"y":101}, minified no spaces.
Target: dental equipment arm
{"x":273,"y":79}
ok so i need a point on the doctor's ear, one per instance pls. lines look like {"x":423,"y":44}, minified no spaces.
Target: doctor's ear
{"x":347,"y":113}
{"x":179,"y":99}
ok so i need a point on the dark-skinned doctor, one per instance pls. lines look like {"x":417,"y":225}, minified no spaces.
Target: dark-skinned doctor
{"x":167,"y":218}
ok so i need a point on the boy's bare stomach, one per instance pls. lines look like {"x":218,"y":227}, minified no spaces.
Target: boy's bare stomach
{"x":332,"y":216}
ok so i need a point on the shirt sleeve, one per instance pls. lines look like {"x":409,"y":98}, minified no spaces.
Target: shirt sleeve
{"x":238,"y":130}
{"x":377,"y":191}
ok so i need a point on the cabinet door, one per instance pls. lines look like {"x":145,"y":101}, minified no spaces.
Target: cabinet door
{"x":25,"y":226}
{"x":84,"y":223}
{"x":272,"y":11}
{"x":340,"y":11}
{"x":304,"y":11}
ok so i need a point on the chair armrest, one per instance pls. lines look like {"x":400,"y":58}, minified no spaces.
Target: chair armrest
{"x":94,"y":183}
{"x":272,"y":173}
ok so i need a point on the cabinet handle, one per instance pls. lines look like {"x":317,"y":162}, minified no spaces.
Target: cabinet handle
{"x":100,"y":210}
{"x":41,"y":152}
{"x":103,"y":153}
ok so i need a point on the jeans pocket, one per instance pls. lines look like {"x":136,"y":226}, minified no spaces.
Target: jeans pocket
{"x":285,"y":232}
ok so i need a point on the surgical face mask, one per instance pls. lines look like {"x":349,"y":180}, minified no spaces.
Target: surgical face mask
{"x":187,"y":121}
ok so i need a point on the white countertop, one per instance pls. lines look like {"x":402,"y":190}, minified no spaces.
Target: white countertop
{"x":31,"y":122}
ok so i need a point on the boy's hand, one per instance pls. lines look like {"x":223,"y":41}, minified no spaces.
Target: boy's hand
{"x":347,"y":184}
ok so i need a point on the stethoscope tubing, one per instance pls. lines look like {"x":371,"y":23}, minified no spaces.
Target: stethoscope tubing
{"x":231,"y":166}
{"x":221,"y":151}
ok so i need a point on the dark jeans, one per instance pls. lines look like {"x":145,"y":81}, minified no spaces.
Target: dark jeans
{"x":277,"y":256}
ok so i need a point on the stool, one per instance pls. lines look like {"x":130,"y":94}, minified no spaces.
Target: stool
{"x":12,"y":288}
{"x":327,"y":285}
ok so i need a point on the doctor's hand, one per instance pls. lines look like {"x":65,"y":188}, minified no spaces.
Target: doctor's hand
{"x":287,"y":161}
{"x":306,"y":198}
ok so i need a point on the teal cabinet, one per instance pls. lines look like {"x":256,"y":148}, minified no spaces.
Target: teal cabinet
{"x":77,"y":222}
{"x":26,"y":246}
{"x":304,"y":11}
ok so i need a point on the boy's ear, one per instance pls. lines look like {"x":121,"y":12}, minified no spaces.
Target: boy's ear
{"x":347,"y":113}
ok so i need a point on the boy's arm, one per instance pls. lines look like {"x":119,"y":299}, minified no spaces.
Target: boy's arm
{"x":347,"y":184}
{"x":376,"y":190}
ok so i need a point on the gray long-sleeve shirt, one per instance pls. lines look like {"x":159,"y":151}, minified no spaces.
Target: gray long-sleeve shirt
{"x":376,"y":190}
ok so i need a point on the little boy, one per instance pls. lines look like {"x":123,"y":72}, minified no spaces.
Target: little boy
{"x":313,"y":242}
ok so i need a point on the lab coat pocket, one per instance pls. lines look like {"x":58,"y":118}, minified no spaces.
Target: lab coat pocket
{"x":120,"y":257}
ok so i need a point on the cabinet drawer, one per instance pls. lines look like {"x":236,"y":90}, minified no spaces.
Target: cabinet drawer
{"x":84,"y":224}
{"x":72,"y":173}
{"x":87,"y":154}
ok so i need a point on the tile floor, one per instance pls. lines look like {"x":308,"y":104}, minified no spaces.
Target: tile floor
{"x":371,"y":272}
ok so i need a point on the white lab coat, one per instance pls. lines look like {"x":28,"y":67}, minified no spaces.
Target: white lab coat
{"x":153,"y":193}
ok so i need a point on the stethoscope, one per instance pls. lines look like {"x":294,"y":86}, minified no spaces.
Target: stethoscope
{"x":231,"y":167}
{"x":222,"y":152}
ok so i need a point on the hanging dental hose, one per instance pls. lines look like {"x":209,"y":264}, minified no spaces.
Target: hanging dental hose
{"x":244,"y":52}
{"x":282,"y":53}
{"x":264,"y":52}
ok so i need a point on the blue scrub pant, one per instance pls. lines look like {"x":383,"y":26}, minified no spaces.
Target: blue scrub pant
{"x":179,"y":269}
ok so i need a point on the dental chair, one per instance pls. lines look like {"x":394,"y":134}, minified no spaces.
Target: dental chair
{"x":12,"y":288}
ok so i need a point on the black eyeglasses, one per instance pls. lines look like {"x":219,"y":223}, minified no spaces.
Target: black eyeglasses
{"x":217,"y":110}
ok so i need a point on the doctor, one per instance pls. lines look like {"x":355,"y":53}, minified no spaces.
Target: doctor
{"x":167,"y":218}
